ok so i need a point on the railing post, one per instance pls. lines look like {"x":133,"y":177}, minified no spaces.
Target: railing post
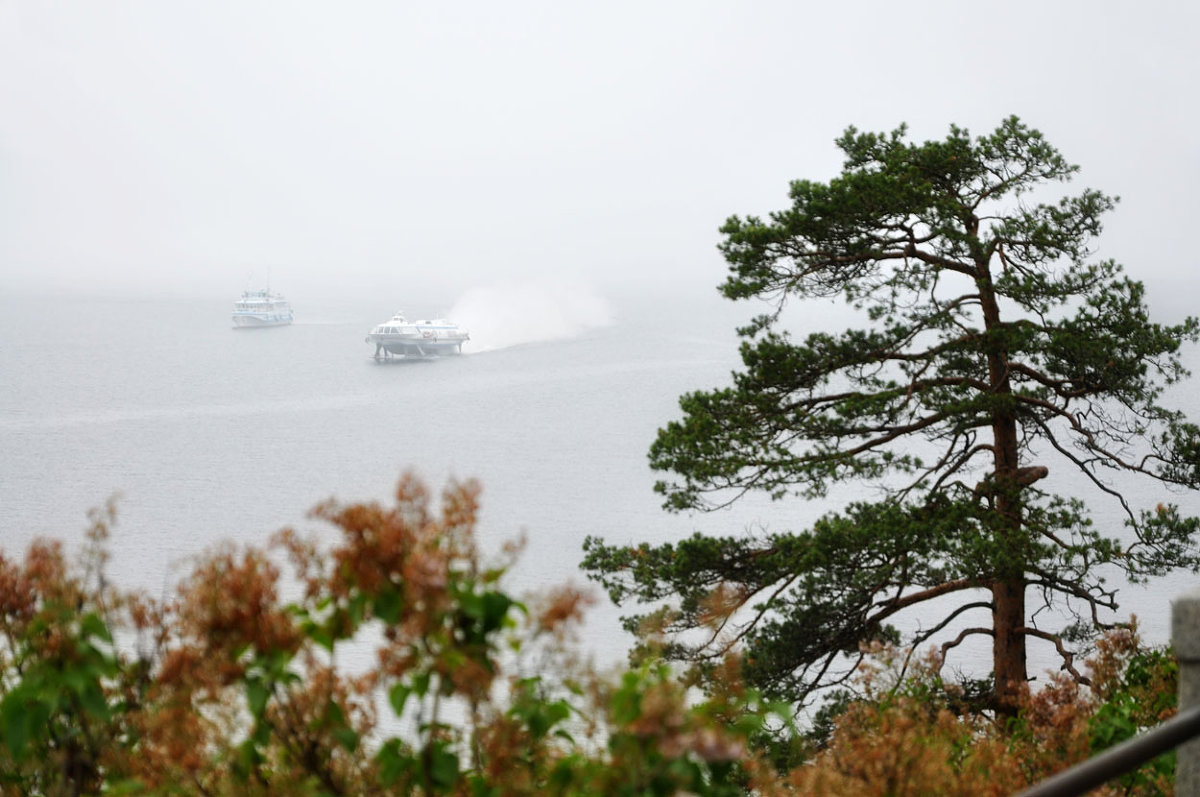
{"x":1185,"y":638}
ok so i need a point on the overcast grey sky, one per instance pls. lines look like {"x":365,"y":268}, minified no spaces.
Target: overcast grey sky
{"x":386,"y":148}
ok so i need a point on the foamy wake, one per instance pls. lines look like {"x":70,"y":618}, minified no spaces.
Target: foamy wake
{"x":502,"y":316}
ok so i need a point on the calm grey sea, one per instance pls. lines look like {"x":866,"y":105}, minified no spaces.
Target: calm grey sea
{"x":210,"y":433}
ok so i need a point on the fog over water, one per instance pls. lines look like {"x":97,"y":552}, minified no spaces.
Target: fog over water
{"x":550,"y":177}
{"x":211,"y":434}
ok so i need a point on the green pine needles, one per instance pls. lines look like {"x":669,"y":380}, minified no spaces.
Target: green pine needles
{"x":992,"y":354}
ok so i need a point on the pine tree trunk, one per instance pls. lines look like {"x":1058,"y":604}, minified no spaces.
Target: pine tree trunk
{"x":1008,"y":648}
{"x":1008,"y":589}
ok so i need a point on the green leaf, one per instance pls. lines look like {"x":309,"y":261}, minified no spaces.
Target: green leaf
{"x":388,"y":604}
{"x":93,"y":701}
{"x":356,"y":608}
{"x":334,"y":715}
{"x":39,"y":711}
{"x":92,"y":625}
{"x":322,"y":635}
{"x":626,"y":703}
{"x":126,"y":786}
{"x":15,"y":719}
{"x":443,"y":765}
{"x":495,"y":609}
{"x":248,"y":759}
{"x":261,"y":734}
{"x":398,"y":696}
{"x":257,"y":695}
{"x":393,"y":762}
{"x":347,"y":738}
{"x":75,"y":680}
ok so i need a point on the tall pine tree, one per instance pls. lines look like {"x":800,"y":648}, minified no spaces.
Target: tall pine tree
{"x":992,"y":353}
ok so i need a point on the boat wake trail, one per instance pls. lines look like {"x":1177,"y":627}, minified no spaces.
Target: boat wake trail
{"x":502,"y":316}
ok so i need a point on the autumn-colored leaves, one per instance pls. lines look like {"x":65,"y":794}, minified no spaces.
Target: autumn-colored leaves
{"x":238,"y":685}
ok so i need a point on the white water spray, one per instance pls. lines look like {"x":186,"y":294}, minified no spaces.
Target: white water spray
{"x":501,"y":316}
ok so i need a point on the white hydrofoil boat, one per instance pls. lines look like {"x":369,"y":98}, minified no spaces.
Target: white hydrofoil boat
{"x":400,"y":337}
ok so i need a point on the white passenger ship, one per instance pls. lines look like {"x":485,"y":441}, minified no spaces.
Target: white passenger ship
{"x":261,"y":308}
{"x":403,"y":338}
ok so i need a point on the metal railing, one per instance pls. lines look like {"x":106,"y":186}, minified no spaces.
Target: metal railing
{"x":1125,"y":757}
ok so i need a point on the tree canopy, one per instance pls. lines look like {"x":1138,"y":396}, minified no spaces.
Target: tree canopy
{"x":993,"y":352}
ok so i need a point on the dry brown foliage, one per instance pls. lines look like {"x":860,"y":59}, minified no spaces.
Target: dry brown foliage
{"x":228,"y":688}
{"x":906,"y":736}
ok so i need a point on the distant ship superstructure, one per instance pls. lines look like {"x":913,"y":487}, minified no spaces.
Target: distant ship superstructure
{"x":403,"y":338}
{"x":261,"y":308}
